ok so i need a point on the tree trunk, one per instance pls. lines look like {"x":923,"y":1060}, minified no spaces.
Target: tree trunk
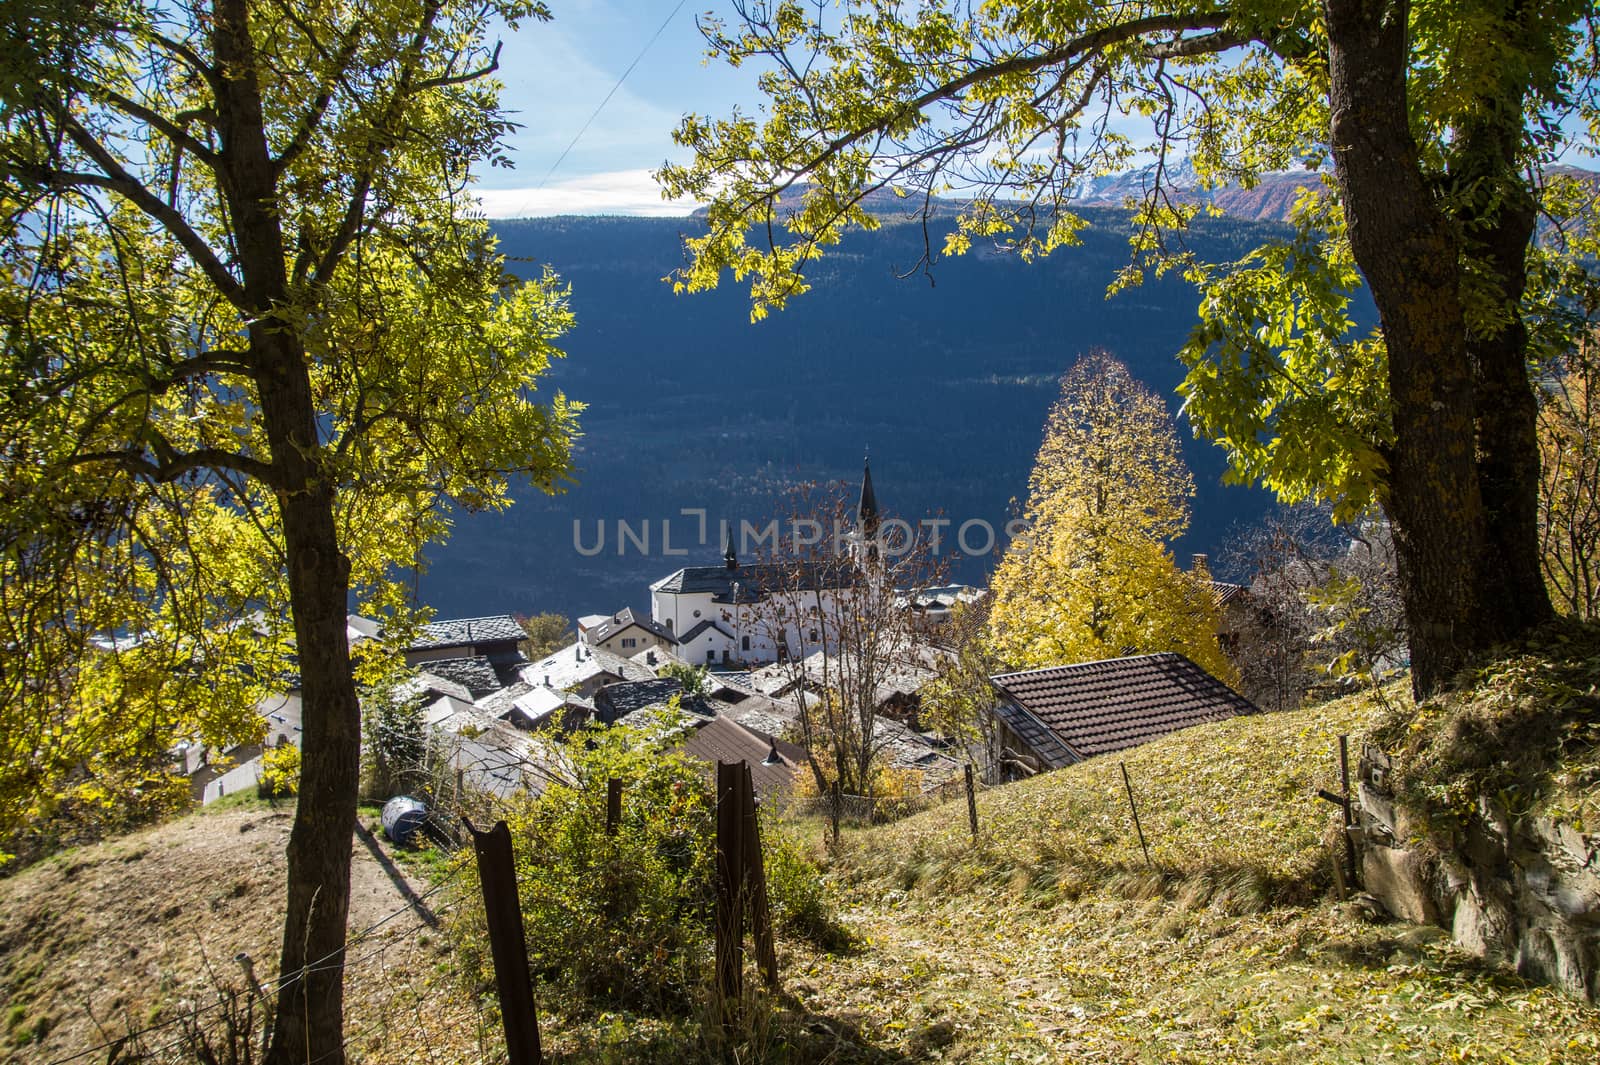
{"x":1409,"y":256}
{"x":1499,"y":214}
{"x":309,"y":1023}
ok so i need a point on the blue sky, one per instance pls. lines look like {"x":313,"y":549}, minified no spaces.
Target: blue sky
{"x":556,"y":73}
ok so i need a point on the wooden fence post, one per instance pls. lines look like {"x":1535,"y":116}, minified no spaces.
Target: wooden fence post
{"x":730,"y":896}
{"x":1128,"y":784}
{"x":972,"y":801}
{"x":837,"y":802}
{"x":613,"y":805}
{"x":1349,"y":809}
{"x":507,"y":943}
{"x":756,"y":879}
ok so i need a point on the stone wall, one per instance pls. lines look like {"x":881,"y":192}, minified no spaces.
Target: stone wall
{"x":1524,"y":892}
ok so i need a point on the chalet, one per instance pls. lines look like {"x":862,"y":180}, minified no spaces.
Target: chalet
{"x":625,"y":633}
{"x":495,"y":638}
{"x":1049,"y":718}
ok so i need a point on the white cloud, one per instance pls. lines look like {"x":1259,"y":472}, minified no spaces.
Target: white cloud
{"x":632,"y":192}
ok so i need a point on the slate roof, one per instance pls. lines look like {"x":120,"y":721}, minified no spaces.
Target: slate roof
{"x":1099,"y":707}
{"x":754,"y":581}
{"x":694,"y":633}
{"x":576,"y":663}
{"x":476,"y":674}
{"x":1223,"y":593}
{"x":464,"y":632}
{"x":625,"y":618}
{"x":625,"y":702}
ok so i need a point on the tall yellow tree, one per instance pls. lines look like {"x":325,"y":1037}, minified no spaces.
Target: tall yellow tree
{"x":1093,"y":577}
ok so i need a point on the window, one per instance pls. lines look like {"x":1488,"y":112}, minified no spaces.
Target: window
{"x":697,"y":613}
{"x":669,"y":624}
{"x":711,"y":656}
{"x":813,"y":635}
{"x":629,"y":641}
{"x":745,"y":644}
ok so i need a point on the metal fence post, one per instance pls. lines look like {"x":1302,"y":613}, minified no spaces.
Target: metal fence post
{"x":507,"y":942}
{"x":1126,"y":783}
{"x":972,"y":801}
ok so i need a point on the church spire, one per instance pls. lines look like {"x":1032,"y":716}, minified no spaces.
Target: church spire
{"x":867,"y":509}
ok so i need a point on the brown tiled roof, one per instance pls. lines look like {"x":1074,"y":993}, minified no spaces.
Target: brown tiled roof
{"x":723,"y":739}
{"x":1098,"y":707}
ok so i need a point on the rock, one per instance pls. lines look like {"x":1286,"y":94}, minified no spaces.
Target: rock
{"x":1402,"y":880}
{"x":1518,"y":891}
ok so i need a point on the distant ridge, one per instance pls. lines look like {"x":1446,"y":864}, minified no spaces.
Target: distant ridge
{"x":1269,"y":200}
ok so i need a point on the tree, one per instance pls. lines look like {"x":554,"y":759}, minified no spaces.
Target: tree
{"x":1439,"y":119}
{"x":1569,"y":492}
{"x":958,"y":703}
{"x":1092,"y":578}
{"x":546,"y":633}
{"x":1320,"y":602}
{"x":836,"y":612}
{"x":256,"y":347}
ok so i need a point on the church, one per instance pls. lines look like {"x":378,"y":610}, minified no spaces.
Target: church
{"x":754,"y":613}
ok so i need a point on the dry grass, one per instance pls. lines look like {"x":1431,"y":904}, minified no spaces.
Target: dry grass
{"x":1048,"y":940}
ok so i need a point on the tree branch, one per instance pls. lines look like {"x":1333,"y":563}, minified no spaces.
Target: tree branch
{"x":118,"y":180}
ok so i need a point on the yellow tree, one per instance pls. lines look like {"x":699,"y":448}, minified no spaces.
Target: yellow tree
{"x":1569,"y":492}
{"x":1093,"y":577}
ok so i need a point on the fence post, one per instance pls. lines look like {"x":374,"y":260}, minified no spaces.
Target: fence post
{"x":972,"y":801}
{"x":730,"y":896}
{"x":1128,"y":784}
{"x":1349,"y":814}
{"x":613,"y":805}
{"x":756,"y":878}
{"x":837,"y":802}
{"x":507,"y":943}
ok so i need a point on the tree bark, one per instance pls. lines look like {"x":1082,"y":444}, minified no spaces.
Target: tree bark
{"x":309,"y":1022}
{"x":1409,"y":255}
{"x":1498,"y":214}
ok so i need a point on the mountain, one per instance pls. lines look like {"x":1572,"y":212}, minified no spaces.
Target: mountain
{"x":945,"y":375}
{"x":1269,"y":200}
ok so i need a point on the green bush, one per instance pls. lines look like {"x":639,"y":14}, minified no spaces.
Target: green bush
{"x":799,"y":899}
{"x":620,"y":919}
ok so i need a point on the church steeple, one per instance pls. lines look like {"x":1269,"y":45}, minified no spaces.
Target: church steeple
{"x":867,"y":509}
{"x":729,"y":559}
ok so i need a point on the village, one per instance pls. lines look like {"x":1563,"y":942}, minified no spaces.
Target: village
{"x":727,"y":666}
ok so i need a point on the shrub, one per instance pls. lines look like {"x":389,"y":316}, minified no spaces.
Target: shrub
{"x":622,"y":919}
{"x":280,"y":771}
{"x":795,"y":890}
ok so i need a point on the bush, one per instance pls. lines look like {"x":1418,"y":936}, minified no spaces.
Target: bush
{"x":620,"y":919}
{"x":280,"y":771}
{"x":795,"y":890}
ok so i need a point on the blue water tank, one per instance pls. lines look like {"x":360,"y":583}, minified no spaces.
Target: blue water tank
{"x":403,"y":817}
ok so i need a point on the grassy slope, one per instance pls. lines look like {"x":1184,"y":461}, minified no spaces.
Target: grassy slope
{"x":1046,"y":941}
{"x":1050,"y":940}
{"x":141,"y":930}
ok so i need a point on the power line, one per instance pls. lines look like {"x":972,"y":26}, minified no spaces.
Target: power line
{"x":596,"y":113}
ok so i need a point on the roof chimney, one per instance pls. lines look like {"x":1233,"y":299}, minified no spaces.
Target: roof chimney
{"x":1199,"y":565}
{"x":729,"y":559}
{"x":773,"y":757}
